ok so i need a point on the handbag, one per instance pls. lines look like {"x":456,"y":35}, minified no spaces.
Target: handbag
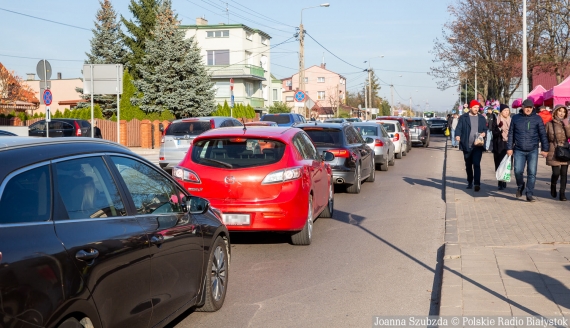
{"x":446,"y":133}
{"x":562,"y":153}
{"x":503,"y":172}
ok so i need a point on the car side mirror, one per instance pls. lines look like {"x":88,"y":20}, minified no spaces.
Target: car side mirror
{"x":327,"y":156}
{"x":369,"y":140}
{"x":160,"y":127}
{"x":197,"y":205}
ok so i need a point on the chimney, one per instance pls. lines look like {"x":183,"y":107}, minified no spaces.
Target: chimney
{"x":59,"y":75}
{"x":31,"y":76}
{"x":323,"y":64}
{"x":201,"y":21}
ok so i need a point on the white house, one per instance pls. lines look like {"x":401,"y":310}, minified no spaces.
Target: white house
{"x":239,"y":52}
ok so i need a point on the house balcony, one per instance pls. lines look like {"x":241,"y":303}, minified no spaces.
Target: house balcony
{"x":255,"y":102}
{"x":238,"y":71}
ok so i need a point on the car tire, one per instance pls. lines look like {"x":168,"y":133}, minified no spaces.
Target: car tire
{"x":329,"y":209}
{"x":384,"y":166}
{"x":372,"y":175}
{"x":305,"y":236}
{"x":70,"y":323}
{"x":400,"y":154}
{"x":393,"y":161}
{"x":355,"y":188}
{"x":216,"y":279}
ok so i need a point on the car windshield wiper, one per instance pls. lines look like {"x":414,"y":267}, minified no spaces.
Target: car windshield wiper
{"x":228,"y":165}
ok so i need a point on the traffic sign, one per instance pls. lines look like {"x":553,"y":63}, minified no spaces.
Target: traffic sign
{"x":44,"y":70}
{"x":231,"y":84}
{"x":48,"y":114}
{"x":48,"y":97}
{"x":232,"y":101}
{"x":300,"y":96}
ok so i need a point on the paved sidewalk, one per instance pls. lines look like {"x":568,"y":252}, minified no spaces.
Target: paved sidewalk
{"x":504,"y":256}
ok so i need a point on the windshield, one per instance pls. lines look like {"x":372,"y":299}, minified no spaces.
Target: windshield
{"x":414,"y":123}
{"x":234,"y":153}
{"x":367,"y":131}
{"x":190,"y":128}
{"x":279,"y":119}
{"x":324,"y":136}
{"x":389,"y":127}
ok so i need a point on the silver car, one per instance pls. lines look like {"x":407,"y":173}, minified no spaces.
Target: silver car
{"x":396,"y":132}
{"x":379,"y":140}
{"x":178,"y":136}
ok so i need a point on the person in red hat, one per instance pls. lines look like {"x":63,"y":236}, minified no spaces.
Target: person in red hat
{"x":472,"y":126}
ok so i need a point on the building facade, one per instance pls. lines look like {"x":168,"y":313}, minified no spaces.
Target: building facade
{"x":238,"y":52}
{"x":63,"y":91}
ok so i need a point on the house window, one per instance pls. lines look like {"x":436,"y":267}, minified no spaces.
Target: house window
{"x":264,"y":40}
{"x":320,"y":80}
{"x":320,"y":95}
{"x":306,"y":80}
{"x":289,"y":98}
{"x":249,"y":89}
{"x":249,"y":57}
{"x":248,"y":35}
{"x":275,"y":95}
{"x":218,"y":57}
{"x":222,"y":89}
{"x":218,"y":34}
{"x":289,"y":83}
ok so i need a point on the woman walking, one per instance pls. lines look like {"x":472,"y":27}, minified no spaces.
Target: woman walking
{"x":500,"y":130}
{"x":558,"y":132}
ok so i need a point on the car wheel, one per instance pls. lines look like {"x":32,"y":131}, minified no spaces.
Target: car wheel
{"x":355,"y":188}
{"x":70,"y":323}
{"x":216,"y":277}
{"x":329,"y":210}
{"x":384,"y":166}
{"x":393,"y":161}
{"x":305,"y":236}
{"x":400,"y":154}
{"x":372,"y":175}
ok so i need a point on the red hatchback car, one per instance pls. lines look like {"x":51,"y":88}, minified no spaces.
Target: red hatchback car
{"x":261,"y":179}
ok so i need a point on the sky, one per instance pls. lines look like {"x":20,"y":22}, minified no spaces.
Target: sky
{"x":354,"y":31}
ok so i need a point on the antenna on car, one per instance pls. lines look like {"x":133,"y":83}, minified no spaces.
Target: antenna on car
{"x":244,"y":127}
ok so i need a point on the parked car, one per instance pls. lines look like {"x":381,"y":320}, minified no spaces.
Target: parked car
{"x":354,"y":159}
{"x":178,"y":136}
{"x":419,"y":130}
{"x":335,"y":120}
{"x":284,"y":119}
{"x":262,"y":179}
{"x":6,"y":133}
{"x":261,"y":123}
{"x":437,"y":125}
{"x":354,"y":119}
{"x":395,"y":132}
{"x":405,"y":128}
{"x":378,"y":139}
{"x":91,"y":232}
{"x":61,"y":127}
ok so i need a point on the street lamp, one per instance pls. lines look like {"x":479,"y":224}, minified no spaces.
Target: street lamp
{"x":302,"y":48}
{"x":369,"y":86}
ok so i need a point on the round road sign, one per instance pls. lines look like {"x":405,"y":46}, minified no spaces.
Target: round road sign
{"x":48,"y":97}
{"x":299,"y":96}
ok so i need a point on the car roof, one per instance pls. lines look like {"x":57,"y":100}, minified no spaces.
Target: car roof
{"x":11,"y":142}
{"x":388,"y":121}
{"x":414,"y":118}
{"x":202,"y":118}
{"x":322,"y":125}
{"x":276,"y":132}
{"x":365,"y":124}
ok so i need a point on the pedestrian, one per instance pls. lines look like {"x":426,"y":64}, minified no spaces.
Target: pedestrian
{"x":449,"y":120}
{"x":500,"y":129}
{"x":544,"y":114}
{"x":558,"y":133}
{"x":525,"y":133}
{"x":490,"y":119}
{"x":470,"y":128}
{"x":97,"y":131}
{"x":454,"y":121}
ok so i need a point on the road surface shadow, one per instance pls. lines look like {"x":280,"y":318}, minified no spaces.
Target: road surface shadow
{"x":541,"y":283}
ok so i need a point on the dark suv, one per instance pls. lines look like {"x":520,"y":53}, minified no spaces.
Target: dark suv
{"x":284,"y":119}
{"x":354,"y":159}
{"x":419,"y":130}
{"x":93,"y":233}
{"x":61,"y":127}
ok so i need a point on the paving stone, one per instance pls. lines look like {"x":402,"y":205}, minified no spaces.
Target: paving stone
{"x":451,"y":295}
{"x":527,"y":305}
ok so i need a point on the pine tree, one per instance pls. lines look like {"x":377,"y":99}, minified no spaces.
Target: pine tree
{"x":226,"y":109}
{"x":173,"y":75}
{"x":140,"y":30}
{"x":128,"y":110}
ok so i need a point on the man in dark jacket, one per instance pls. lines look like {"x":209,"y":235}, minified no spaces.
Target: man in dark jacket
{"x":525,"y":132}
{"x":470,"y":126}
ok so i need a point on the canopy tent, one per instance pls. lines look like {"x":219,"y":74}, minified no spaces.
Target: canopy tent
{"x":536,"y":95}
{"x":559,"y":94}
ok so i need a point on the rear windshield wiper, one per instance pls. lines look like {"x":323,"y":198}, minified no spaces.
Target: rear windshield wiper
{"x":228,"y":165}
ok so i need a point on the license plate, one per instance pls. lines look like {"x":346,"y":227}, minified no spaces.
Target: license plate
{"x":236,"y":219}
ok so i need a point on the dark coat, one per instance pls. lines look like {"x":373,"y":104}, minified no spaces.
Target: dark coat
{"x":463,"y":130}
{"x":499,"y":146}
{"x":526,"y":131}
{"x":556,"y":131}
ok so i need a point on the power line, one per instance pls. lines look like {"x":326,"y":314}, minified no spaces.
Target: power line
{"x":344,"y":61}
{"x":47,"y":20}
{"x":260,"y":15}
{"x":23,"y":57}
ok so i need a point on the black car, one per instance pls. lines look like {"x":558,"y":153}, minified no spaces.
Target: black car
{"x":354,"y":159}
{"x":92,"y":233}
{"x":61,"y":127}
{"x":7,"y":133}
{"x":437,"y":125}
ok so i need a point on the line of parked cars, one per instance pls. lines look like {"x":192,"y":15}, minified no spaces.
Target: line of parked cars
{"x":112,"y":240}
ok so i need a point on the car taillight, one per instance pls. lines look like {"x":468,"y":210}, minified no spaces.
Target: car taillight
{"x":77,"y":129}
{"x":212,"y":124}
{"x":340,"y":152}
{"x":186,"y":175}
{"x":396,"y":136}
{"x":282,"y":175}
{"x":378,"y":143}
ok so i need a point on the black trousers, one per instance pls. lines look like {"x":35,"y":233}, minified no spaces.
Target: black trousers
{"x":472,"y":159}
{"x":562,"y":172}
{"x":498,"y":157}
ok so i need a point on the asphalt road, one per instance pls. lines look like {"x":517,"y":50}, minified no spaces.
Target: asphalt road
{"x":378,"y":255}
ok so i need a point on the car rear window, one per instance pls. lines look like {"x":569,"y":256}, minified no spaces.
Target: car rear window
{"x":235,"y":153}
{"x":279,"y":119}
{"x":188,"y":128}
{"x":367,"y":130}
{"x":414,"y":123}
{"x":389,"y":127}
{"x":325,"y":136}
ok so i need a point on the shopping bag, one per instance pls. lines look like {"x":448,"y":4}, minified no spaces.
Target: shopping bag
{"x":504,"y":171}
{"x":446,"y":133}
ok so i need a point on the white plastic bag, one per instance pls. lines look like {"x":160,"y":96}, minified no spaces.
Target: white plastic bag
{"x":504,"y":171}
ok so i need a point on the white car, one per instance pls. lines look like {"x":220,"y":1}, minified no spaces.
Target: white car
{"x":395,"y":131}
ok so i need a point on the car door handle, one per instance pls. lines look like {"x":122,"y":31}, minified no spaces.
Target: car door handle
{"x":156,"y":240}
{"x":89,"y":255}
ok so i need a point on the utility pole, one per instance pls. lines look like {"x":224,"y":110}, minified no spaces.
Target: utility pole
{"x":392,"y":99}
{"x":476,"y":95}
{"x":524,"y":63}
{"x":369,"y":89}
{"x":301,"y":56}
{"x":411,"y":110}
